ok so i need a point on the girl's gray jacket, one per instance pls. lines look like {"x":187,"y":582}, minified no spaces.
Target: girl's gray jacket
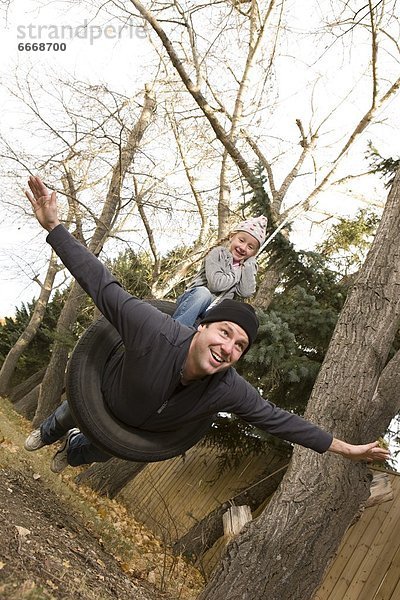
{"x":142,"y":385}
{"x":218,"y":274}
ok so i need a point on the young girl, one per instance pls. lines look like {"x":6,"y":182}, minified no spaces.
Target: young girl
{"x":226,"y":272}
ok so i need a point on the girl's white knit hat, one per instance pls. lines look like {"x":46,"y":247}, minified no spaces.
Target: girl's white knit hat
{"x":257,"y":227}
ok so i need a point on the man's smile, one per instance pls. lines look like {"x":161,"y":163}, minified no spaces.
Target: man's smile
{"x":215,"y":347}
{"x":217,"y":357}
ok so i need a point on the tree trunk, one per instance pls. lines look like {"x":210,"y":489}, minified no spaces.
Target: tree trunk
{"x":267,"y":286}
{"x":224,"y":200}
{"x":52,"y":385}
{"x":10,"y":362}
{"x":27,"y":405}
{"x":20,"y":390}
{"x":53,"y":382}
{"x":110,"y":477}
{"x":320,"y":495}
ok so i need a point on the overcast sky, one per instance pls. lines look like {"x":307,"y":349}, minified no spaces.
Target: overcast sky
{"x":98,"y":51}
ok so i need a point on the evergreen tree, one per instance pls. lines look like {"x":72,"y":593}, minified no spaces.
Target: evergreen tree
{"x":37,"y":354}
{"x":296,"y":330}
{"x":134,"y":273}
{"x":349,"y":240}
{"x":386,"y":166}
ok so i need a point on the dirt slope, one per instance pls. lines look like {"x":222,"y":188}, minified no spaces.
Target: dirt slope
{"x":59,"y":542}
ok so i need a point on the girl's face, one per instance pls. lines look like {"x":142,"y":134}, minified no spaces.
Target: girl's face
{"x":243,"y":245}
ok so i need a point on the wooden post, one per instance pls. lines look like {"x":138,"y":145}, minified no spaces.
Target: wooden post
{"x":381,"y":489}
{"x":235,"y":519}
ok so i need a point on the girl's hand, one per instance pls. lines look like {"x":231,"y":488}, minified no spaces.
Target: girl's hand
{"x":43,"y":202}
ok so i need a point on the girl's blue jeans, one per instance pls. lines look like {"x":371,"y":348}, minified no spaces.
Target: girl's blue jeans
{"x":192,"y":305}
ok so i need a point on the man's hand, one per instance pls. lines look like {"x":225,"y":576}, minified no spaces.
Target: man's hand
{"x":43,"y":202}
{"x":369,"y":452}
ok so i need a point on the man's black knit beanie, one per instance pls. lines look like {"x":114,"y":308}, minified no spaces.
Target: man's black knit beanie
{"x":240,"y":313}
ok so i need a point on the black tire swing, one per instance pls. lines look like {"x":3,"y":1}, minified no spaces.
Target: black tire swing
{"x":94,"y":419}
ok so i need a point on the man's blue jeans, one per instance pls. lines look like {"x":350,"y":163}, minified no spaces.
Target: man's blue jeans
{"x":81,"y":450}
{"x":192,"y":304}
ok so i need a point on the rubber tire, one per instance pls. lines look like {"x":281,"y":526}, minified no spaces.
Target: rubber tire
{"x":83,"y":387}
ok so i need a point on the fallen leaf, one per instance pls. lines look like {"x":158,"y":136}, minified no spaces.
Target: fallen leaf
{"x":22,"y":532}
{"x":27,"y":587}
{"x":8,"y":445}
{"x":125,"y":567}
{"x":151,"y":577}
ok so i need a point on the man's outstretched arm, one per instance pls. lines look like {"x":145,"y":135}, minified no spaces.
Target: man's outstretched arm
{"x":127,"y":313}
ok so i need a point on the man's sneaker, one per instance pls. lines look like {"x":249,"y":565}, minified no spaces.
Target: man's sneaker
{"x":60,"y":462}
{"x":34,"y":441}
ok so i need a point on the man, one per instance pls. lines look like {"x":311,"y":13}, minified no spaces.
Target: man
{"x":169,"y":374}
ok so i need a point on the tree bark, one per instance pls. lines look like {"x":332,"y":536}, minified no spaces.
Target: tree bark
{"x":267,"y":286}
{"x":27,"y":405}
{"x":20,"y":390}
{"x":320,"y":495}
{"x":11,"y":360}
{"x":52,"y":384}
{"x":108,"y":479}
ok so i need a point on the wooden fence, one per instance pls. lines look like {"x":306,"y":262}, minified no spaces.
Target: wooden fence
{"x":367,"y":566}
{"x":172,"y":496}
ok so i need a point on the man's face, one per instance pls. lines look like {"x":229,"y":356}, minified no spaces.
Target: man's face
{"x":215,"y":347}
